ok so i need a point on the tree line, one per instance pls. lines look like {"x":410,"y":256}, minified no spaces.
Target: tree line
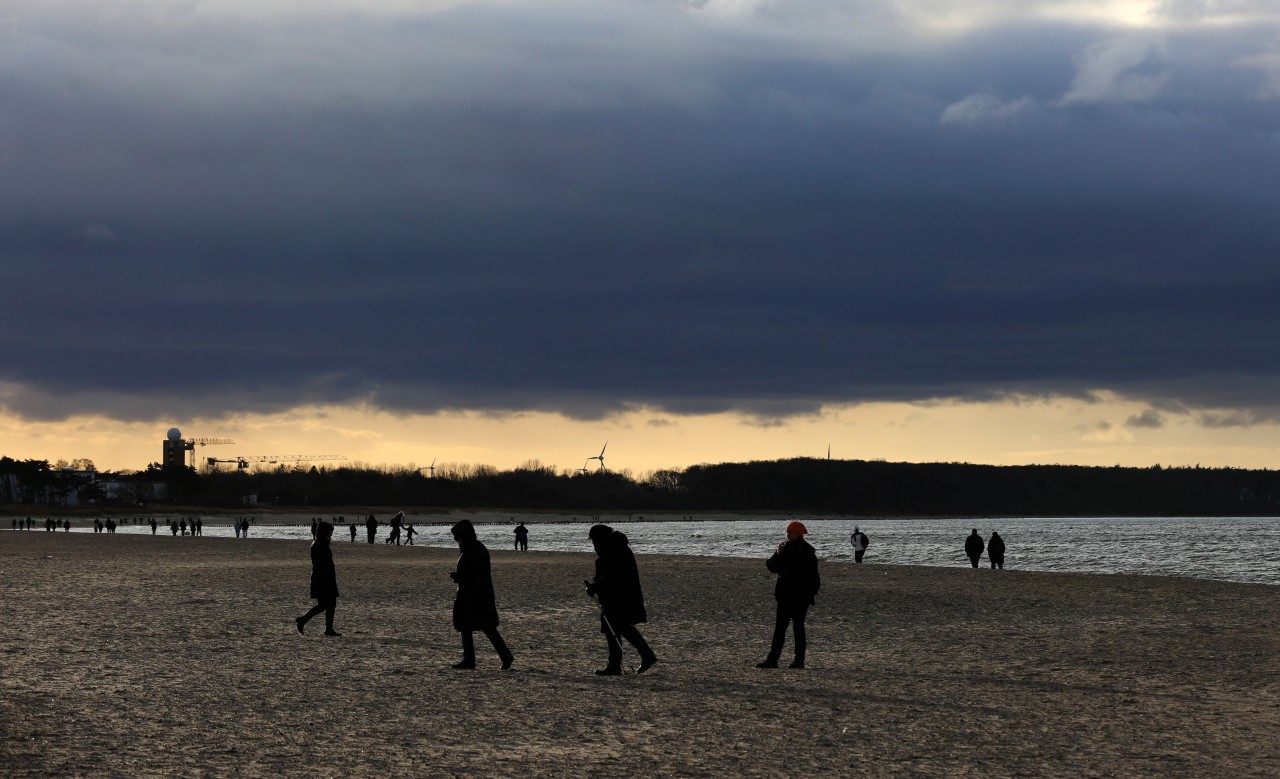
{"x":845,"y":487}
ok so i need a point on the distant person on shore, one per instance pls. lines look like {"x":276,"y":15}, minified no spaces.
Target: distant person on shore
{"x":396,"y":522}
{"x":973,"y":547}
{"x":859,"y":541}
{"x":244,"y":528}
{"x":522,"y":538}
{"x":617,"y":588}
{"x":182,"y":526}
{"x":474,"y":606}
{"x":796,"y":564}
{"x":199,"y":526}
{"x":409,"y":533}
{"x":995,"y":551}
{"x":371,"y":527}
{"x":153,"y":526}
{"x":324,"y":581}
{"x":353,"y":532}
{"x":173,"y":527}
{"x":66,"y":526}
{"x":237,"y":527}
{"x":315,"y":523}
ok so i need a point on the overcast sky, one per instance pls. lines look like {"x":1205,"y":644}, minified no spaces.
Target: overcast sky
{"x":210,"y":209}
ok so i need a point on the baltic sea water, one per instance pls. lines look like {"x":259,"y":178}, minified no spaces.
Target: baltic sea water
{"x":1241,"y":549}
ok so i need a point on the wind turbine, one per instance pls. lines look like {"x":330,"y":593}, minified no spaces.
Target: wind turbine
{"x":600,"y":456}
{"x":583,"y":469}
{"x":432,"y":467}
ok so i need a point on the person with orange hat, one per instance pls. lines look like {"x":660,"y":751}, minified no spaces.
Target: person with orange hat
{"x":796,"y":564}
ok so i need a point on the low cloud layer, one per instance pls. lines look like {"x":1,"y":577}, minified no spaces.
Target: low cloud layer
{"x":212,"y":208}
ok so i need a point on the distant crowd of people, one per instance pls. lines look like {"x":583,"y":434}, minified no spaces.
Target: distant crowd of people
{"x":404,"y":532}
{"x":183,"y":526}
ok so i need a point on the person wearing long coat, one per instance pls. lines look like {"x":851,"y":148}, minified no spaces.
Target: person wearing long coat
{"x":475,"y":606}
{"x":324,"y":581}
{"x":796,"y":564}
{"x":617,"y":587}
{"x":995,"y":551}
{"x":973,"y":547}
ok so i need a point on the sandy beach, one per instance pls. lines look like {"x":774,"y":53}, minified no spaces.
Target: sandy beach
{"x":141,"y":656}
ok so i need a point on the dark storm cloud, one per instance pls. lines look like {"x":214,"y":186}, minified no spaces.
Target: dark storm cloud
{"x":1149,"y":418}
{"x":591,"y":209}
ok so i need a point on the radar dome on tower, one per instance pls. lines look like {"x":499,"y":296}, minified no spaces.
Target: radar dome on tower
{"x":174,"y":434}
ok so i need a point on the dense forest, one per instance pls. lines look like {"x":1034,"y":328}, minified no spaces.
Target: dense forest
{"x":847,"y":487}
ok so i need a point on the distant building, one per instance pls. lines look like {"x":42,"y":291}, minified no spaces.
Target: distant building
{"x":174,"y":457}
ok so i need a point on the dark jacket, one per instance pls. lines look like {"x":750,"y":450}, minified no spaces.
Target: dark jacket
{"x":324,"y":579}
{"x":995,"y":547}
{"x":797,"y":569}
{"x":474,"y":607}
{"x":973,"y":545}
{"x":617,"y":581}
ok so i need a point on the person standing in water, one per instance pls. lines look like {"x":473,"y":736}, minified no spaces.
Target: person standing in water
{"x":796,"y":564}
{"x":324,"y":581}
{"x":475,"y":606}
{"x":859,"y":541}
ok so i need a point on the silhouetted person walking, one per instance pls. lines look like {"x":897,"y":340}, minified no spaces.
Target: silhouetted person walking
{"x":324,"y":581}
{"x":522,"y":538}
{"x":796,"y":564}
{"x":474,"y":607}
{"x":859,"y":541}
{"x":353,"y":532}
{"x":973,"y":547}
{"x":617,"y":586}
{"x":371,"y":526}
{"x":995,"y":551}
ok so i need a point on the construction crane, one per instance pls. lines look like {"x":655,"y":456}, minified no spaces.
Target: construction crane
{"x":243,"y":462}
{"x":192,"y":443}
